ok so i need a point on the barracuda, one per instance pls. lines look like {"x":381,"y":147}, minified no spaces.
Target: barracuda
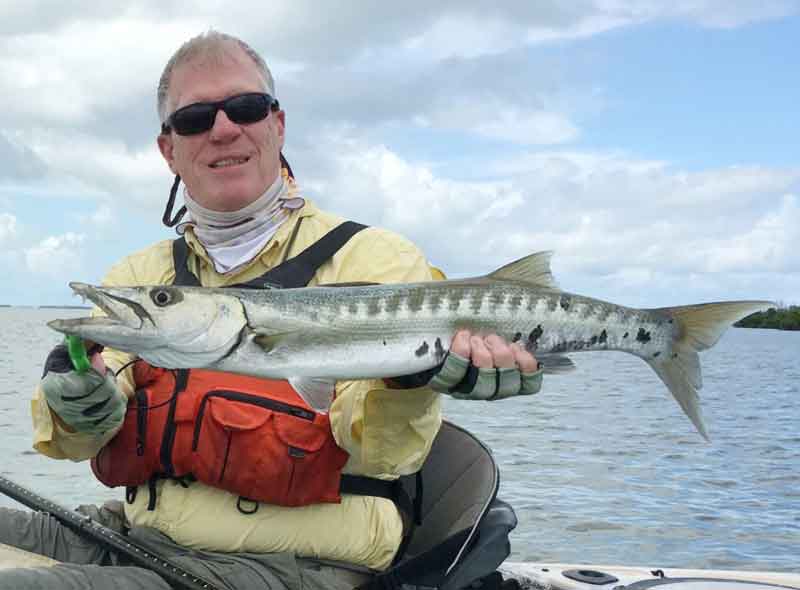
{"x":375,"y":331}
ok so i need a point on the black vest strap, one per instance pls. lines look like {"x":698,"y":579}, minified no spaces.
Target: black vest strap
{"x":293,"y":273}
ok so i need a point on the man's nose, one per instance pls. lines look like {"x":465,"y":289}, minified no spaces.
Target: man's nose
{"x":224,"y":129}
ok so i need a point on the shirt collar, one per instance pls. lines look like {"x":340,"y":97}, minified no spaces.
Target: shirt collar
{"x":280,"y":237}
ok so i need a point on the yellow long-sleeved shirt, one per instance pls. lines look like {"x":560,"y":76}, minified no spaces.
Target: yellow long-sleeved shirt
{"x":387,"y":433}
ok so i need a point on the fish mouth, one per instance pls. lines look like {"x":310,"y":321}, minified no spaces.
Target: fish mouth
{"x":119,"y":310}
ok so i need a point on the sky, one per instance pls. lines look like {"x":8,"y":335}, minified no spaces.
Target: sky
{"x":652,"y":146}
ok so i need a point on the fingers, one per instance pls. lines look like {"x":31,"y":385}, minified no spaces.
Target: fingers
{"x":480,"y":354}
{"x":487,"y":367}
{"x":98,"y":363}
{"x":461,"y":343}
{"x":526,"y":362}
{"x":502,"y":352}
{"x":493,"y":351}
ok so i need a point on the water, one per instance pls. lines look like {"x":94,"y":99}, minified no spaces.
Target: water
{"x":601,"y":467}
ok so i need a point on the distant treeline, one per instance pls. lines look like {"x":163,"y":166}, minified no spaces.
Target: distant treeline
{"x":781,"y":318}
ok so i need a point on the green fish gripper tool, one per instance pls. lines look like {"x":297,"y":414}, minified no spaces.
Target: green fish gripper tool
{"x":77,"y":354}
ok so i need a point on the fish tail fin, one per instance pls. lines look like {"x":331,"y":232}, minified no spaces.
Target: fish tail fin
{"x":699,"y":328}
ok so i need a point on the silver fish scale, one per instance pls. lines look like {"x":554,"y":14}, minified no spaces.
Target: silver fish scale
{"x":417,"y":321}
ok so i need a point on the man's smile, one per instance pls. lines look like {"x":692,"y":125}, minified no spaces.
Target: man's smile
{"x":229,"y":161}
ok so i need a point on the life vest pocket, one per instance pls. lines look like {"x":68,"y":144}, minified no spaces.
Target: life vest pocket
{"x":141,"y":415}
{"x":242,"y":440}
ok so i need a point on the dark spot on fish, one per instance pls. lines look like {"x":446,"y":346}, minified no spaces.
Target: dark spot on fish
{"x":565,"y":301}
{"x":422,"y":350}
{"x":475,"y":301}
{"x":561,"y":347}
{"x":435,"y":301}
{"x":643,"y":336}
{"x":440,"y":351}
{"x":384,"y":342}
{"x":603,"y":337}
{"x":392,"y":303}
{"x":625,"y":335}
{"x":530,"y":303}
{"x":415,"y":299}
{"x":496,"y":299}
{"x":515,"y":301}
{"x":670,"y":321}
{"x":517,"y":337}
{"x":455,"y":302}
{"x":655,"y":354}
{"x":674,"y":355}
{"x":533,"y":337}
{"x":373,"y":308}
{"x":352,"y":307}
{"x":552,"y":304}
{"x":314,"y":316}
{"x":593,"y":340}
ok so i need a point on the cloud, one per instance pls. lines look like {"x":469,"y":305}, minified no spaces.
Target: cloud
{"x":494,"y":119}
{"x":8,"y":226}
{"x":18,"y":161}
{"x":102,"y":217}
{"x":79,"y":76}
{"x":622,"y":220}
{"x":56,"y":256}
{"x":770,"y":245}
{"x":109,"y":167}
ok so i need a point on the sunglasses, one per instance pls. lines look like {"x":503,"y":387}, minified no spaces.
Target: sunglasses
{"x":200,"y":116}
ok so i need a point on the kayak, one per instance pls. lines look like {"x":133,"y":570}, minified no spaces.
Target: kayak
{"x":533,"y":576}
{"x":556,"y":576}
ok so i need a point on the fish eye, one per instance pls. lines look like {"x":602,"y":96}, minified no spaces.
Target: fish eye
{"x":161,"y":297}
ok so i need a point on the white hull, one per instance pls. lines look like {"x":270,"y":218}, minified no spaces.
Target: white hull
{"x":552,"y":577}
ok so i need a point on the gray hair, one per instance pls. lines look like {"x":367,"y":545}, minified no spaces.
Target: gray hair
{"x":211,"y":45}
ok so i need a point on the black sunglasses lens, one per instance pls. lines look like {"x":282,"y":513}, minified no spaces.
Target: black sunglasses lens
{"x":247,"y":108}
{"x":196,"y":118}
{"x":199,"y":117}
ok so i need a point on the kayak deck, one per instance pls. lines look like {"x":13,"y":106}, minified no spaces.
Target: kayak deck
{"x":560,"y":576}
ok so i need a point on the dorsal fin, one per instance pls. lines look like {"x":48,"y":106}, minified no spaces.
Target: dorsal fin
{"x":533,"y":269}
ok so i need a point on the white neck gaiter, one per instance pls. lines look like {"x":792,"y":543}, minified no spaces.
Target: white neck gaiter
{"x":234,"y":238}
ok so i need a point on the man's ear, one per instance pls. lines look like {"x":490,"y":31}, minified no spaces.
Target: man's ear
{"x":281,"y":116}
{"x":166,"y":147}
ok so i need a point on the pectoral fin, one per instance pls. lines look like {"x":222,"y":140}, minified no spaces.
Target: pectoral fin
{"x":555,"y":363}
{"x":269,"y":341}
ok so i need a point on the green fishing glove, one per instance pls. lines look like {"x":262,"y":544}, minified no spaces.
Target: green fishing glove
{"x":458,"y":377}
{"x":89,"y":402}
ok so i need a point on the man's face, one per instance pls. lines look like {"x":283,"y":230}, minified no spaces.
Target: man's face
{"x":229,"y":166}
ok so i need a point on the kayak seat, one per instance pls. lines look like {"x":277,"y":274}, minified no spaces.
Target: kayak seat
{"x":462,"y":535}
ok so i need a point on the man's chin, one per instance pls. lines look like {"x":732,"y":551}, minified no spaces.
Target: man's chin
{"x":231,"y":198}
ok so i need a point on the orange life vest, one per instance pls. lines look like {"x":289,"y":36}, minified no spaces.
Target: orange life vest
{"x":254,"y":437}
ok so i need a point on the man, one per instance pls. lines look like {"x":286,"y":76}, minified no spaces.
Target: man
{"x":222,"y":135}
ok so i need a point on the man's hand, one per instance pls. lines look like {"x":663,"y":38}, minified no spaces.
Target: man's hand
{"x":481,"y":368}
{"x":89,"y":402}
{"x":487,"y":367}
